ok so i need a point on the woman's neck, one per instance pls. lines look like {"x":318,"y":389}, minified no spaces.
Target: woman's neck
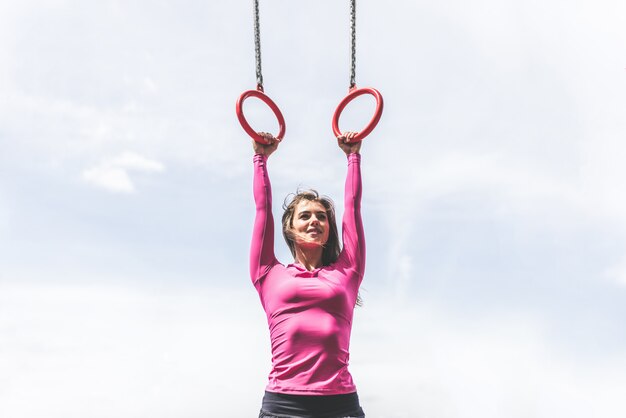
{"x":309,"y":258}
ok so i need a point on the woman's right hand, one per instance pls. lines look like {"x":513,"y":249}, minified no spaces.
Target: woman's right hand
{"x":266,"y":149}
{"x":347,"y":145}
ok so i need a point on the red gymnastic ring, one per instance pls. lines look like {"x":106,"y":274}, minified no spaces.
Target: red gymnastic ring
{"x":353,"y":94}
{"x":244,"y":123}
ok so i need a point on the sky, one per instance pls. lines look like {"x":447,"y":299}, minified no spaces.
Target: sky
{"x":494,"y":202}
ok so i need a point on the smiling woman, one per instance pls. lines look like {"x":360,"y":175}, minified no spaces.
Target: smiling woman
{"x":309,"y":303}
{"x":309,"y":220}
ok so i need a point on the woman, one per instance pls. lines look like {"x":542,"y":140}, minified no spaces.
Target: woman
{"x":309,"y":304}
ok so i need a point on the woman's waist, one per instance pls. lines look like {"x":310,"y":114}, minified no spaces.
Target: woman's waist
{"x":318,"y":406}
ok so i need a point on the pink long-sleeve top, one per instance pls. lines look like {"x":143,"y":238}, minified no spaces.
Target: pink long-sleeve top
{"x":309,"y":313}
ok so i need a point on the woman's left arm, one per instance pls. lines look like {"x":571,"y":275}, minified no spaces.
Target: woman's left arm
{"x":352,"y":227}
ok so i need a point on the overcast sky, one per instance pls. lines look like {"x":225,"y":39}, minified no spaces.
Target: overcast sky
{"x":494,"y":202}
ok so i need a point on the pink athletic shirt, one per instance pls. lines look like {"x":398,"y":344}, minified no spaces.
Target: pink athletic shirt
{"x":309,"y":313}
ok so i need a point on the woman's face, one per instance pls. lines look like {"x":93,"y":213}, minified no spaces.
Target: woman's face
{"x":310,"y":223}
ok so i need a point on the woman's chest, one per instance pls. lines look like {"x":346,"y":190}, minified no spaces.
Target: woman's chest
{"x":286,"y":291}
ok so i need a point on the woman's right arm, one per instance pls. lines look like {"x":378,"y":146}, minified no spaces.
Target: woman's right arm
{"x":262,"y":256}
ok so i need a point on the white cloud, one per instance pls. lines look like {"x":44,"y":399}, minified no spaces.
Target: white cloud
{"x":4,"y":212}
{"x":132,"y":161}
{"x":617,"y":273}
{"x":132,"y":352}
{"x":111,"y":178}
{"x":149,"y":85}
{"x":112,"y":351}
{"x":422,"y":360}
{"x":113,"y":174}
{"x":497,"y":175}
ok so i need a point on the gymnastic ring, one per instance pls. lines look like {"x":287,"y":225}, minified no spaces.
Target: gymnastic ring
{"x":353,"y":93}
{"x":258,"y":93}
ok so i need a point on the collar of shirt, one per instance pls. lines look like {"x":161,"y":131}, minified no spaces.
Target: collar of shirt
{"x":303,"y":272}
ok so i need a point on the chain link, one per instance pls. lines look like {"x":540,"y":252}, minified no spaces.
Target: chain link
{"x":353,"y":47}
{"x":257,"y":46}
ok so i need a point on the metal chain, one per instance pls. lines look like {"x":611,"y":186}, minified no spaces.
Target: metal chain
{"x":257,"y":46}
{"x":353,"y":48}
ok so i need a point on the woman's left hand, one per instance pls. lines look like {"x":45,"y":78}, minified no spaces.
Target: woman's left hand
{"x":345,"y":143}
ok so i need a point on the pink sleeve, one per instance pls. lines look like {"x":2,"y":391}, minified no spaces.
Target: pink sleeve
{"x":352,"y":228}
{"x":262,"y":256}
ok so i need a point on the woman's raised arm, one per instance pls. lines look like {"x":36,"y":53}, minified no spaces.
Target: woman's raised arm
{"x":352,"y":226}
{"x":262,"y":256}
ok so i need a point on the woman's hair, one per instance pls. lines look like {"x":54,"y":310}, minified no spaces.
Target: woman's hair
{"x":332,"y":248}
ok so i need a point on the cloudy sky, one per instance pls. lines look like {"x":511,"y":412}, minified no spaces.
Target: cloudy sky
{"x":494,"y":202}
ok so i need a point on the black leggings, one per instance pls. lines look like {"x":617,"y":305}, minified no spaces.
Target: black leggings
{"x":263,"y":414}
{"x":280,"y":405}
